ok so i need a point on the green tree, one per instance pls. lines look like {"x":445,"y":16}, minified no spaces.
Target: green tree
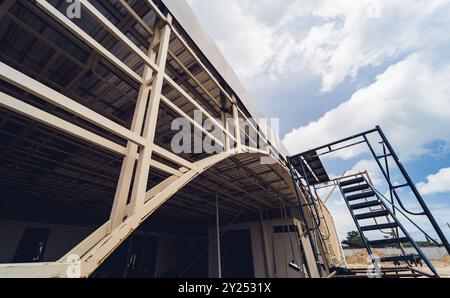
{"x":353,"y":240}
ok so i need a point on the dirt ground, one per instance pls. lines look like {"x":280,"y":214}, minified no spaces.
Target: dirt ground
{"x":361,"y":259}
{"x":443,"y":266}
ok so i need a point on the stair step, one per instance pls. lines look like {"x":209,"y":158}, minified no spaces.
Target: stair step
{"x":379,"y":227}
{"x":356,"y":188}
{"x":388,"y":241}
{"x":351,"y":182}
{"x":372,"y":214}
{"x":396,"y":259}
{"x":365,"y":205}
{"x":360,"y":196}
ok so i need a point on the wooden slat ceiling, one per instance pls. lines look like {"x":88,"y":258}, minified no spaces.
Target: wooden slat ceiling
{"x":47,"y":175}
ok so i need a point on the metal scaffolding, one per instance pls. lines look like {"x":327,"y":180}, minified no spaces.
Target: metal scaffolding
{"x":102,"y":93}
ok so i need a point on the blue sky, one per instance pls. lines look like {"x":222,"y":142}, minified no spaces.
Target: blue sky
{"x":328,"y":69}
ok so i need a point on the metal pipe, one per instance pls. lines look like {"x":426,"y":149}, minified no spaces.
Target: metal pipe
{"x":219,"y":260}
{"x":388,"y":181}
{"x":415,"y":191}
{"x":334,"y":188}
{"x":333,"y":150}
{"x":358,"y":226}
{"x":309,"y":195}
{"x":337,"y":142}
{"x":302,"y":214}
{"x":264,"y":242}
{"x":405,"y":232}
{"x":406,"y":216}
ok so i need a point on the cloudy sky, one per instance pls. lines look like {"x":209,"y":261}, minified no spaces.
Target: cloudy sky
{"x":329,"y":69}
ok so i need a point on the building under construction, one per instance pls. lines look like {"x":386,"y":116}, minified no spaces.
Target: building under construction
{"x":90,"y":185}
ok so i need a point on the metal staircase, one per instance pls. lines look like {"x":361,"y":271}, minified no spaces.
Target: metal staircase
{"x":366,"y":204}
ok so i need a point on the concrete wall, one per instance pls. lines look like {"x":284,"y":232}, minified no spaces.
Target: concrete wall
{"x":333,"y":242}
{"x":257,"y":249}
{"x":272,"y":253}
{"x":167,"y":255}
{"x":60,"y":241}
{"x":63,"y":238}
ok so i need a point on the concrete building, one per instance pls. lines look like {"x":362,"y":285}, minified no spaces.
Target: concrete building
{"x":89,"y":182}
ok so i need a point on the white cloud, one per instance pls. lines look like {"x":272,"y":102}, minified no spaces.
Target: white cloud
{"x":372,"y":169}
{"x":247,"y":42}
{"x":411,"y":101}
{"x":364,"y":33}
{"x":330,"y":39}
{"x":436,"y":183}
{"x":362,"y":166}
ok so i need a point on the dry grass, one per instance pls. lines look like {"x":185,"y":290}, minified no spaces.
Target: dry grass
{"x":362,"y":258}
{"x":444,"y":261}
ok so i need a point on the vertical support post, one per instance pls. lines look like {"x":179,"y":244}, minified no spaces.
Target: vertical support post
{"x":358,"y":226}
{"x":226,"y":139}
{"x":405,"y":232}
{"x":237,"y":124}
{"x":323,"y":255}
{"x":145,"y":154}
{"x":341,"y":251}
{"x":415,"y":191}
{"x":388,"y":172}
{"x":219,"y":259}
{"x":124,"y":183}
{"x":226,"y":142}
{"x":264,"y":240}
{"x":303,"y":216}
{"x":309,"y":196}
{"x":391,"y":191}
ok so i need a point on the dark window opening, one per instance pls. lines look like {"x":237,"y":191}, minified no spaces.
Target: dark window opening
{"x":236,"y":255}
{"x":284,"y":229}
{"x":135,"y":258}
{"x":193,"y":258}
{"x":32,"y":246}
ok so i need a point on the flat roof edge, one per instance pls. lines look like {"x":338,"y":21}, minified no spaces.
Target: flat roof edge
{"x":182,"y":12}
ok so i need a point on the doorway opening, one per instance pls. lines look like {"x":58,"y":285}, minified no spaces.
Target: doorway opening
{"x":32,"y":245}
{"x":237,"y":256}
